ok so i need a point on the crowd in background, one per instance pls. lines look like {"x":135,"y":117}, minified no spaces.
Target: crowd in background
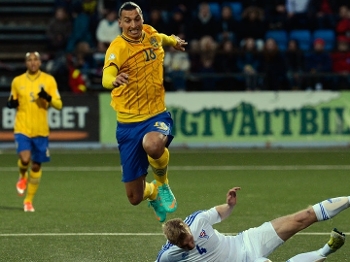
{"x":229,"y":47}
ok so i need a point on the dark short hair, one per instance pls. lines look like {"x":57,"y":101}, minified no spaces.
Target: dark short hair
{"x":128,"y":6}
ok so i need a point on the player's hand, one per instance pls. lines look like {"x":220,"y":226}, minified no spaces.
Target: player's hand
{"x":121,"y":79}
{"x":231,"y":196}
{"x":12,"y":103}
{"x":43,"y":94}
{"x":180,"y":43}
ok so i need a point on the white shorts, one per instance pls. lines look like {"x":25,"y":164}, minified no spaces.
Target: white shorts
{"x":254,"y":243}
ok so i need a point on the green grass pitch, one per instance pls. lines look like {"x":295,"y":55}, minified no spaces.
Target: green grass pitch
{"x":82,"y":213}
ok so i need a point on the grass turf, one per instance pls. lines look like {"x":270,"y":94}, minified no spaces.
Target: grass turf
{"x":82,"y":213}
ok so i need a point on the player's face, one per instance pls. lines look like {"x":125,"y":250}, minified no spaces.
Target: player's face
{"x":33,"y":63}
{"x":131,"y":23}
{"x":188,"y":243}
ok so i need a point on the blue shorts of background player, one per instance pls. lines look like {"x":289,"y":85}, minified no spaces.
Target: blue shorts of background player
{"x":38,"y":146}
{"x":141,"y":145}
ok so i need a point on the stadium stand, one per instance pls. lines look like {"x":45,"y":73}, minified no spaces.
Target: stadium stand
{"x":280,"y":36}
{"x":328,"y":36}
{"x":237,"y":9}
{"x":215,"y":9}
{"x":23,"y":25}
{"x":303,"y":37}
{"x":22,"y":28}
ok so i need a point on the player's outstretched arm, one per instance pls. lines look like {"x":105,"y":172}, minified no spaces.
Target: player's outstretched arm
{"x":174,"y":41}
{"x":225,"y":210}
{"x":180,"y":43}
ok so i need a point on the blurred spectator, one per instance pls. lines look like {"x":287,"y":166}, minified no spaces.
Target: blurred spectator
{"x":107,"y":29}
{"x":249,"y":3}
{"x":57,"y":66}
{"x":228,"y":25}
{"x":341,"y":64}
{"x":177,"y":23}
{"x":203,"y":24}
{"x":273,"y":66}
{"x":66,"y":4}
{"x":205,"y":52}
{"x":225,"y":57}
{"x":156,"y":20}
{"x":90,"y":7}
{"x":81,"y":29}
{"x":177,"y":66}
{"x":316,"y":63}
{"x":343,"y":2}
{"x":225,"y":63}
{"x":294,"y":62}
{"x":323,"y":14}
{"x":159,"y":4}
{"x":343,"y":25}
{"x":84,"y":60}
{"x":276,"y":14}
{"x":187,"y":4}
{"x":188,"y":7}
{"x":249,"y":63}
{"x":253,"y":26}
{"x":81,"y":67}
{"x":76,"y":80}
{"x":298,"y":15}
{"x":58,"y":31}
{"x":104,"y":6}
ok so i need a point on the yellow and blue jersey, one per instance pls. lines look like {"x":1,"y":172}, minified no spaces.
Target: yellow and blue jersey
{"x":144,"y":94}
{"x":31,"y":117}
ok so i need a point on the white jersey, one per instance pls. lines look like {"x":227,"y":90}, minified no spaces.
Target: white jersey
{"x":210,"y":244}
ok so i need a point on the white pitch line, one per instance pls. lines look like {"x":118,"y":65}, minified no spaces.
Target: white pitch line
{"x":190,"y":168}
{"x":125,"y":234}
{"x":79,"y":234}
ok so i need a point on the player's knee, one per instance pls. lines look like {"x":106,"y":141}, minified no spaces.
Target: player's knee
{"x":23,"y":163}
{"x":36,"y":166}
{"x":134,"y":199}
{"x":154,"y":146}
{"x":154,"y":150}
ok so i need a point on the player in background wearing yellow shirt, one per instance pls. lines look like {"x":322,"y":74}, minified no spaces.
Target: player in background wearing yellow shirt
{"x":31,"y":94}
{"x":133,"y":70}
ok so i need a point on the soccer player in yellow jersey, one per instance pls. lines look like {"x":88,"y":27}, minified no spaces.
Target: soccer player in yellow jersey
{"x":32,"y":93}
{"x":133,"y":70}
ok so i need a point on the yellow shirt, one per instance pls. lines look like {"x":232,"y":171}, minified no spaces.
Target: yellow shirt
{"x":31,"y":117}
{"x":142,"y":60}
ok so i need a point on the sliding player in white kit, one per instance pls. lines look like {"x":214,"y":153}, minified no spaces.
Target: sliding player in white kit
{"x":195,"y":239}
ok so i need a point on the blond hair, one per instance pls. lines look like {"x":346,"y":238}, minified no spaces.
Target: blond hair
{"x":176,"y":230}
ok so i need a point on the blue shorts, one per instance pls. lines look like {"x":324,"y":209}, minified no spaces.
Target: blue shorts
{"x":38,"y":146}
{"x":133,"y":157}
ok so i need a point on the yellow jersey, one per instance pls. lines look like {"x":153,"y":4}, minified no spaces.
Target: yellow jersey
{"x":31,"y":116}
{"x":144,"y":94}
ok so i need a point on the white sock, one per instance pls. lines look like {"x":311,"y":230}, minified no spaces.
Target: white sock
{"x":331,"y":207}
{"x":312,"y":256}
{"x":326,"y":250}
